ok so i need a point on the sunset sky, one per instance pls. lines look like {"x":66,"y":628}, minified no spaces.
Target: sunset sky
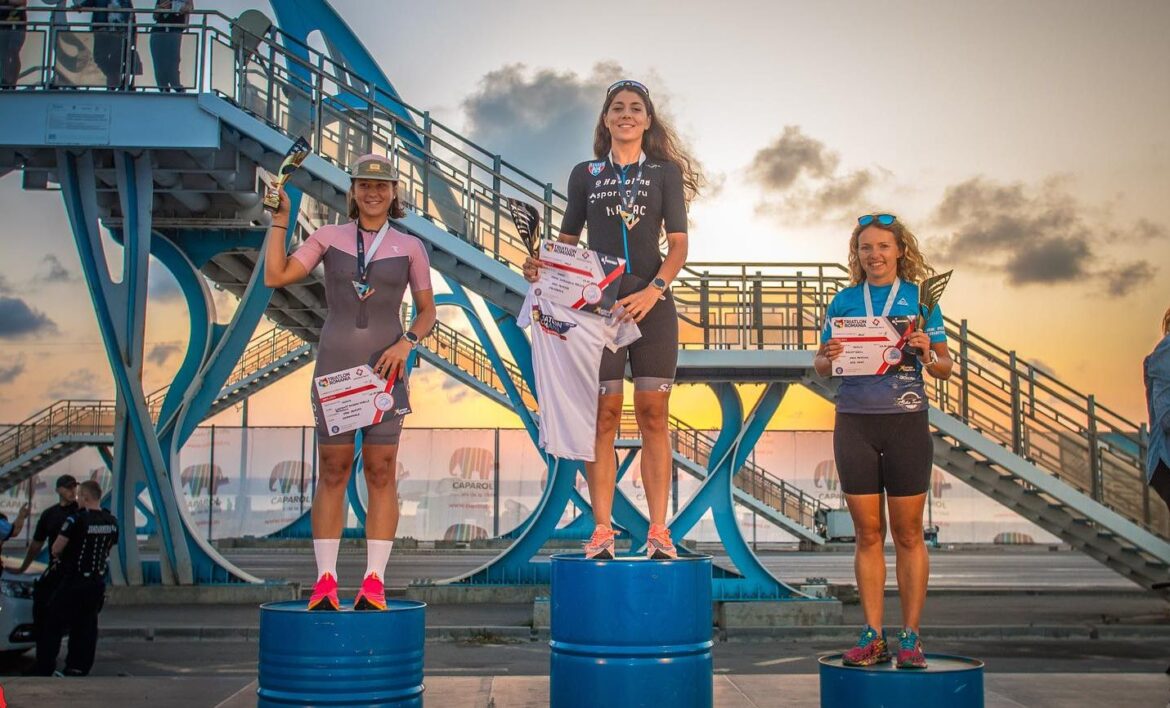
{"x":1025,"y":144}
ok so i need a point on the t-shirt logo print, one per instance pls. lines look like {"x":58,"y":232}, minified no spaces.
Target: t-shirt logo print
{"x":595,"y":168}
{"x":550,"y":324}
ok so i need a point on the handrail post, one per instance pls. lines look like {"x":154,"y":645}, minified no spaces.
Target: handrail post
{"x":497,"y":165}
{"x":705,"y":309}
{"x":964,"y":381}
{"x":426,"y":164}
{"x":1143,"y":448}
{"x":1094,"y":451}
{"x":799,"y":310}
{"x":1017,"y":432}
{"x":548,"y":198}
{"x":758,"y":308}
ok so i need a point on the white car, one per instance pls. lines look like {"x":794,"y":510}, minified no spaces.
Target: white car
{"x":16,"y":611}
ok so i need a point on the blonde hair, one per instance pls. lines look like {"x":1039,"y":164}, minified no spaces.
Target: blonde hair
{"x":912,"y":265}
{"x":1166,"y":323}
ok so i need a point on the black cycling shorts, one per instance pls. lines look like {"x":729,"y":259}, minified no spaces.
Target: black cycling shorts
{"x":889,"y":452}
{"x":653,"y":357}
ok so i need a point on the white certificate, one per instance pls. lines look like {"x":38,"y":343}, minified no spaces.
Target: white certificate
{"x":355,"y":398}
{"x":579,"y":278}
{"x":873,"y":345}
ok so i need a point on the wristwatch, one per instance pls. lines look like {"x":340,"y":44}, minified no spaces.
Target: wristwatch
{"x":413,"y":338}
{"x":659,"y":283}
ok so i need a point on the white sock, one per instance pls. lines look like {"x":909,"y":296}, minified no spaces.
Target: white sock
{"x":325,"y":550}
{"x":377,"y":556}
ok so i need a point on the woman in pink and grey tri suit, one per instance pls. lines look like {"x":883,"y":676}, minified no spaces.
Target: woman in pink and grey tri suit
{"x":368,"y":265}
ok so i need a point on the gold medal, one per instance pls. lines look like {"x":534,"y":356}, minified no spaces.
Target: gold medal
{"x":629,"y":218}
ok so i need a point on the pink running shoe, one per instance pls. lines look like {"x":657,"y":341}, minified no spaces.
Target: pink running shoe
{"x":658,"y":544}
{"x":910,"y":654}
{"x":870,"y":649}
{"x":324,"y":595}
{"x":601,"y":545}
{"x":372,"y":595}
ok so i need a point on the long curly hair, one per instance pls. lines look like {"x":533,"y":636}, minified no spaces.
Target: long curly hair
{"x":659,"y":142}
{"x":912,"y":265}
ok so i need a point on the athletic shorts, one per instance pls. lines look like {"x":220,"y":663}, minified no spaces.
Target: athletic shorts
{"x":653,"y":357}
{"x":387,"y":432}
{"x":888,"y":452}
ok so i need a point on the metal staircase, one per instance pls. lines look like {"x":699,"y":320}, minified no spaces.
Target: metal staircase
{"x":1014,"y":432}
{"x":773,"y":498}
{"x":66,"y":426}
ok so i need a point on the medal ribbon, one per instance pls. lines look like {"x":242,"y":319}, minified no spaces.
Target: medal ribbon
{"x":628,"y":197}
{"x":889,"y":299}
{"x":361,"y":285}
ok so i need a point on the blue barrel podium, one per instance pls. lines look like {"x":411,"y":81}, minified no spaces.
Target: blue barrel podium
{"x":344,"y":658}
{"x":948,"y":681}
{"x":630,"y":632}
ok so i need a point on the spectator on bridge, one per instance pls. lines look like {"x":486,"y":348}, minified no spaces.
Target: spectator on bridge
{"x":48,"y":526}
{"x":636,"y":187}
{"x":368,"y":266}
{"x":1157,"y":378}
{"x":113,"y":40}
{"x":83,"y":550}
{"x":10,"y":529}
{"x":881,"y":438}
{"x":166,"y":36}
{"x":12,"y":34}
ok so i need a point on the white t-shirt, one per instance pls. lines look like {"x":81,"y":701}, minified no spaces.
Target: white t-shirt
{"x":566,"y":358}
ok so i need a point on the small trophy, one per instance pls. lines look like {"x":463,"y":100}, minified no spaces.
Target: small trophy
{"x":929,"y":293}
{"x":527,"y":220}
{"x":292,"y":160}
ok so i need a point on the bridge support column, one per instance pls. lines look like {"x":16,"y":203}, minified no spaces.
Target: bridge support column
{"x":736,"y":440}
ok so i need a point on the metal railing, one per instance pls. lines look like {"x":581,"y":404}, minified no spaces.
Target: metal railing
{"x":66,"y":419}
{"x":696,"y":445}
{"x":460,"y":186}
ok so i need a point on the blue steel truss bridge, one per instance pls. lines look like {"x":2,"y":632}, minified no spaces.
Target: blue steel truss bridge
{"x":178,"y":175}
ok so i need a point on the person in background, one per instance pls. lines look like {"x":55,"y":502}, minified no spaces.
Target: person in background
{"x":8,"y":529}
{"x":12,"y":33}
{"x":166,"y":36}
{"x":82,"y":549}
{"x":48,"y":526}
{"x":1156,"y":369}
{"x":113,"y":36}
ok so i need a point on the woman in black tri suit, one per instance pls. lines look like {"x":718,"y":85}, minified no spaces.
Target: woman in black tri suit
{"x":638,"y":185}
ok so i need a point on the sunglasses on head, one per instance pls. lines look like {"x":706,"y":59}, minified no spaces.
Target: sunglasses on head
{"x":626,"y":83}
{"x":883,"y":219}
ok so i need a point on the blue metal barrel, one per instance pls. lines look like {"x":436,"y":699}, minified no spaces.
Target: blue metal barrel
{"x":951,"y":681}
{"x":631,"y":632}
{"x":341,"y":658}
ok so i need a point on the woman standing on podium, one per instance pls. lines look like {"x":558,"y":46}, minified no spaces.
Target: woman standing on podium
{"x":637,"y":186}
{"x":368,"y":266}
{"x":881,"y":438}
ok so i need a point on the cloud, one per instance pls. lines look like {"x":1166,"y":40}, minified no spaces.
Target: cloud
{"x":9,"y":372}
{"x":541,"y":120}
{"x":161,"y":286}
{"x":778,"y":166}
{"x":81,"y":383}
{"x":802,"y":178}
{"x":55,"y":272}
{"x":163,"y":351}
{"x":1038,"y":235}
{"x":1125,"y":279}
{"x":18,"y":320}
